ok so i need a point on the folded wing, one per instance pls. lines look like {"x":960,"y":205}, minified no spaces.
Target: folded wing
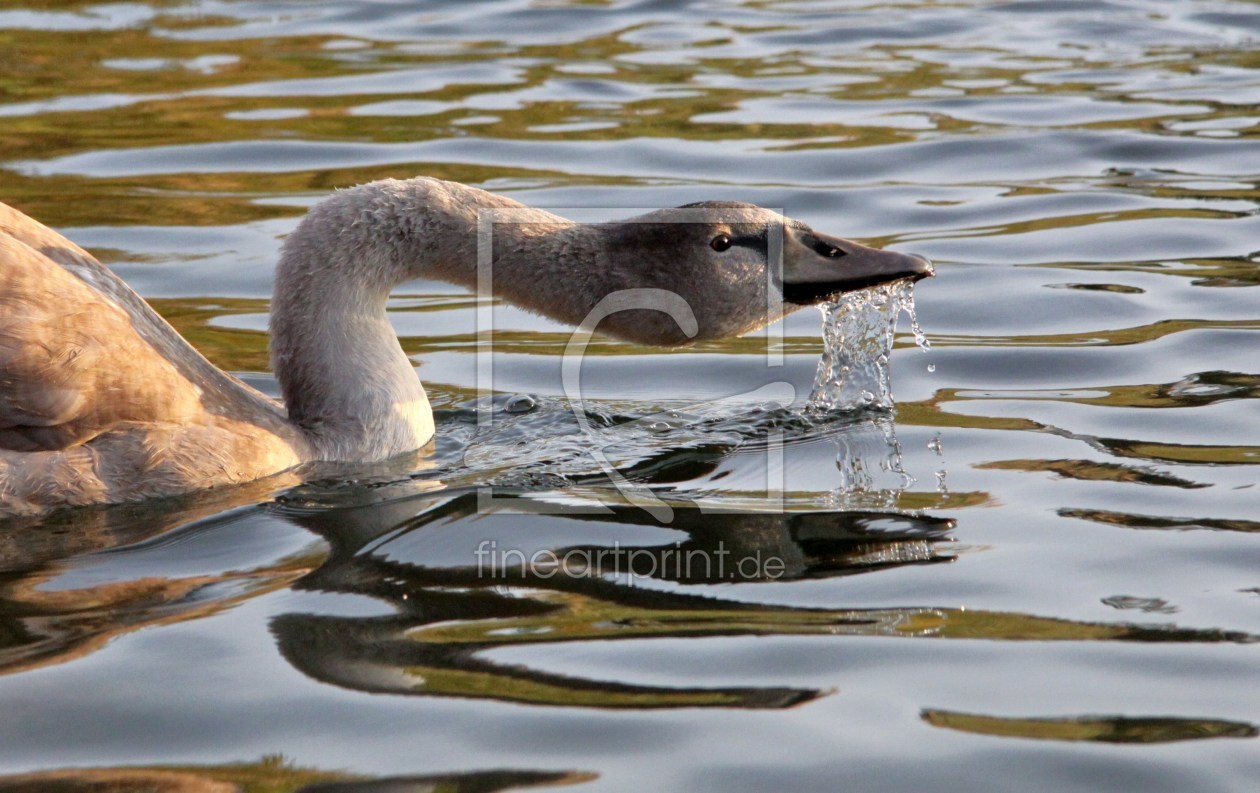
{"x":81,"y":353}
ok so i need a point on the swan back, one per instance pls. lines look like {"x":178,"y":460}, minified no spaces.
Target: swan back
{"x":101,"y":399}
{"x":81,"y":351}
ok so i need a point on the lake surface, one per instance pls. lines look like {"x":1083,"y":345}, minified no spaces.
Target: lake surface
{"x":1041,"y":573}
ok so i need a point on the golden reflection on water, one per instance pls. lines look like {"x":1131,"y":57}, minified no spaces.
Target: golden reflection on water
{"x":450,"y":618}
{"x":42,"y":624}
{"x":273,"y":774}
{"x":1116,"y":729}
{"x":166,"y":88}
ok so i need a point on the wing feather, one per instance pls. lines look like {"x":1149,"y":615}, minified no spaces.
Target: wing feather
{"x":73,"y":363}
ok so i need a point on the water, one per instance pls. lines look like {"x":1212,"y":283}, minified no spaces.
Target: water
{"x":1036,"y":571}
{"x":858,"y":329}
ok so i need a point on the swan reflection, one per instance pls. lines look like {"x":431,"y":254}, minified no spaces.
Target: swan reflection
{"x":452,"y":607}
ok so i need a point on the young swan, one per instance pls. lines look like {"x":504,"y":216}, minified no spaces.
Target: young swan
{"x":101,"y":401}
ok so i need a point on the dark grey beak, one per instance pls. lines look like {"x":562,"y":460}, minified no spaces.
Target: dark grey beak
{"x":817,"y":266}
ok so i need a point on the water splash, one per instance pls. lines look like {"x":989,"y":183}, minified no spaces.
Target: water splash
{"x":531,"y":443}
{"x":869,"y":460}
{"x":858,"y":331}
{"x":853,"y":374}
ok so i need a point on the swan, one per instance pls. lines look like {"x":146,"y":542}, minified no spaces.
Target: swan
{"x":102,"y":401}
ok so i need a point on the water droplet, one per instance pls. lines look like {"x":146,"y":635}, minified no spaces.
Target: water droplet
{"x":931,"y":367}
{"x":935,"y":444}
{"x":659,"y":426}
{"x":521,"y":403}
{"x":920,"y":338}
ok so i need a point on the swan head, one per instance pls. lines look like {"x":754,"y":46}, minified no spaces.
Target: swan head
{"x":737,"y":267}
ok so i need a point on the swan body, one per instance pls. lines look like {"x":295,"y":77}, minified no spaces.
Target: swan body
{"x":102,"y":401}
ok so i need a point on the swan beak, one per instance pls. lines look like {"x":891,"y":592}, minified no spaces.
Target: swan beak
{"x":817,"y":266}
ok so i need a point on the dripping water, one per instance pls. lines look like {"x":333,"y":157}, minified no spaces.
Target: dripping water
{"x":853,"y":375}
{"x":858,"y":331}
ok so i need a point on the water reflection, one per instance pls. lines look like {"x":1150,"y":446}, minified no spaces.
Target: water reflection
{"x":1102,"y":729}
{"x":29,"y":544}
{"x":462,"y":581}
{"x":1090,"y":470}
{"x":81,"y":578}
{"x":949,"y":407}
{"x":1132,"y":521}
{"x":464,"y":584}
{"x":452,"y":577}
{"x":272,"y":773}
{"x":69,"y":586}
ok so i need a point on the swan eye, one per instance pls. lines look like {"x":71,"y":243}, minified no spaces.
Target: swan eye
{"x":834,"y":253}
{"x":720,"y":243}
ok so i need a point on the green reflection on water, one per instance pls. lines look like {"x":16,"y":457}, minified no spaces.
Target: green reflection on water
{"x":272,"y":774}
{"x":1103,"y":729}
{"x":165,"y":87}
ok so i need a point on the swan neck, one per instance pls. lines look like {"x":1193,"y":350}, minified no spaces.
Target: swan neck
{"x":346,"y":381}
{"x":347,"y":384}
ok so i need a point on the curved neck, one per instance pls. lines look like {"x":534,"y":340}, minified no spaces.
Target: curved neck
{"x":346,"y":382}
